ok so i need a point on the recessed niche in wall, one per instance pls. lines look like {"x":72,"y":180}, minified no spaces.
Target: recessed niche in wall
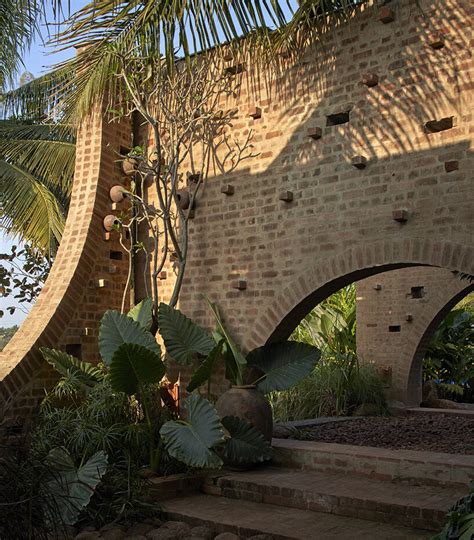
{"x":116,"y":255}
{"x":394,"y":328}
{"x":417,"y":292}
{"x":74,"y":349}
{"x":337,"y":119}
{"x":435,"y":126}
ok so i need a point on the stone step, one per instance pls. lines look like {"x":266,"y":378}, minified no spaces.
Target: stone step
{"x":407,"y":466}
{"x":422,"y":507}
{"x":247,"y":518}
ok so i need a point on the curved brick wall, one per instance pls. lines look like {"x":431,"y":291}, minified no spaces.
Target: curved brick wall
{"x":338,"y":228}
{"x":68,"y":310}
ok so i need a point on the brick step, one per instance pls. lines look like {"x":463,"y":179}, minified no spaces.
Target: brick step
{"x":247,"y":518}
{"x":407,"y":466}
{"x":339,"y":493}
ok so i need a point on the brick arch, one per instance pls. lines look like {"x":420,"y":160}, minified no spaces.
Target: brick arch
{"x":413,"y":373}
{"x":312,"y":285}
{"x":316,"y":282}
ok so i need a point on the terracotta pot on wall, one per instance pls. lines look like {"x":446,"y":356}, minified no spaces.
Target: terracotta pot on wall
{"x":248,"y":403}
{"x":129,"y":166}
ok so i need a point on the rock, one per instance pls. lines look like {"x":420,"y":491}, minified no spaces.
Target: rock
{"x":202,"y":532}
{"x":139,"y":529}
{"x":443,"y":404}
{"x":136,"y":537}
{"x":261,"y":537}
{"x":113,"y":534}
{"x":163,"y":534}
{"x":111,"y":525}
{"x":179,"y":527}
{"x":227,"y":536}
{"x":367,"y":409}
{"x":282,"y":432}
{"x":429,"y":391}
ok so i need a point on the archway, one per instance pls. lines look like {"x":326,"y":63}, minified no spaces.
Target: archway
{"x":308,"y":288}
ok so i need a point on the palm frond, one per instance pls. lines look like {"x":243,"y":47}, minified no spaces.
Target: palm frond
{"x":19,"y":23}
{"x":17,"y":26}
{"x":36,"y":171}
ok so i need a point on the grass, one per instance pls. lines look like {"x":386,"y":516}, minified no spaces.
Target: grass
{"x":337,"y":387}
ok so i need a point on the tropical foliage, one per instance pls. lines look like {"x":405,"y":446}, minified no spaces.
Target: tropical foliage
{"x":339,"y":384}
{"x":22,"y":275}
{"x":449,"y":359}
{"x":36,"y":171}
{"x":460,"y":519}
{"x":272,"y":367}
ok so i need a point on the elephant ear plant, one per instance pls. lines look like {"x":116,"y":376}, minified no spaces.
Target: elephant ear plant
{"x":277,"y":366}
{"x":273,"y":367}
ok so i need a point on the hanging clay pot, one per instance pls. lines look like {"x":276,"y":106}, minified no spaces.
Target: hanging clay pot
{"x":110,"y":222}
{"x":129,"y":166}
{"x":117,"y":194}
{"x":250,"y":404}
{"x":183,"y":198}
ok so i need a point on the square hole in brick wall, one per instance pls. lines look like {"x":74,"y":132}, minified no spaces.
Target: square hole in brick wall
{"x":116,"y":255}
{"x":435,"y":126}
{"x":417,"y":292}
{"x":337,"y":119}
{"x":394,"y":328}
{"x":74,"y":349}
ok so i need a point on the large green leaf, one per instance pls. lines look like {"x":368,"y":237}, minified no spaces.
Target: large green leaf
{"x":72,"y":488}
{"x":239,"y":358}
{"x":64,"y":362}
{"x":284,"y":364}
{"x":133,"y":365}
{"x":86,"y":375}
{"x":117,"y":328}
{"x":182,"y":337}
{"x":246,"y":444}
{"x":142,"y":313}
{"x":191,"y":440}
{"x":204,"y":371}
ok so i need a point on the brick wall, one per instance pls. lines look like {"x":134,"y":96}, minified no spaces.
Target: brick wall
{"x":348,"y":186}
{"x":68,"y":310}
{"x":397,"y":314}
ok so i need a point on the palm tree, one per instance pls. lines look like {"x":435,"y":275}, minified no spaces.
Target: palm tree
{"x":36,"y":158}
{"x":36,"y":170}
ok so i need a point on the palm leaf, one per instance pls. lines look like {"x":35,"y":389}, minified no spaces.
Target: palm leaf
{"x":183,"y":338}
{"x":134,"y":365}
{"x":85,"y":374}
{"x":191,"y":440}
{"x":283,"y":364}
{"x":36,"y":171}
{"x":116,"y":329}
{"x":29,"y":208}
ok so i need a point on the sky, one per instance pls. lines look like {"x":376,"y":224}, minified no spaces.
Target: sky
{"x":37,"y":61}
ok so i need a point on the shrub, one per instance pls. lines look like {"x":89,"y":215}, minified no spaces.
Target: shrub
{"x":336,"y":387}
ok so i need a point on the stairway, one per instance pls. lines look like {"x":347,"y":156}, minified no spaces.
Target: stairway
{"x":334,"y":492}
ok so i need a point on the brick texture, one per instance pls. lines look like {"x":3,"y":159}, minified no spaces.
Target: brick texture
{"x":337,"y":229}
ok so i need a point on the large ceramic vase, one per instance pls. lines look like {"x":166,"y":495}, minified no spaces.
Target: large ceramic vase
{"x":248,"y":403}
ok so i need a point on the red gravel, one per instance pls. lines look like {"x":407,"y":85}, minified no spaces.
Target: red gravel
{"x":435,"y":433}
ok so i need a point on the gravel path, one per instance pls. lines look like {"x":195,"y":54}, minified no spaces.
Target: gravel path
{"x":435,"y":433}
